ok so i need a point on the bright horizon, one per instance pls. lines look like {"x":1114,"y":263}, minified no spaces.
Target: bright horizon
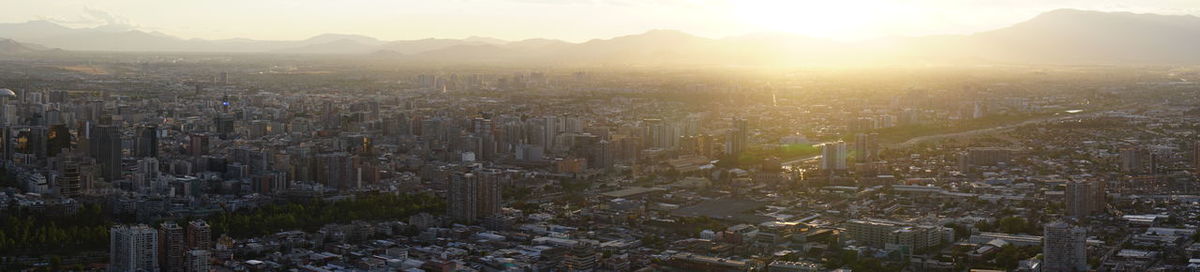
{"x":569,"y":20}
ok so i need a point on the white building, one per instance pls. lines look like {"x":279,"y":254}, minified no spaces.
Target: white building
{"x":133,"y":248}
{"x":833,"y":156}
{"x":1065,"y":248}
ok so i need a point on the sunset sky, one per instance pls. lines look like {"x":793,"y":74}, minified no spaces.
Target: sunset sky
{"x":572,"y":20}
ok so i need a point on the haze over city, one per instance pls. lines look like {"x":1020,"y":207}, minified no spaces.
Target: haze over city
{"x":600,"y":135}
{"x":569,"y":20}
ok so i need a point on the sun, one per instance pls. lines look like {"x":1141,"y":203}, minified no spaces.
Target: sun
{"x":835,"y":19}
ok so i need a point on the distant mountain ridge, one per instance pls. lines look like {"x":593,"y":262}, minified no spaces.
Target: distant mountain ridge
{"x":11,"y":47}
{"x":1060,"y":36}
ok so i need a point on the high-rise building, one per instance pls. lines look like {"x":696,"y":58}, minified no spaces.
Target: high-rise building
{"x":336,"y":170}
{"x":147,"y":141}
{"x":33,"y":141}
{"x":198,"y":144}
{"x":736,"y":141}
{"x":1085,"y":198}
{"x":71,"y":182}
{"x":865,"y":146}
{"x":1064,"y":248}
{"x":59,"y":139}
{"x":199,"y":235}
{"x":171,"y":247}
{"x":473,"y":196}
{"x":223,"y":125}
{"x":550,"y":130}
{"x":196,"y":260}
{"x":133,"y":248}
{"x":833,"y":156}
{"x":147,"y":175}
{"x":107,"y":142}
{"x":1134,"y":160}
{"x":1196,"y":157}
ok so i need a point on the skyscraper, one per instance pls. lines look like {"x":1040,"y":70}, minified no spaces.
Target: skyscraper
{"x":199,"y":235}
{"x":59,"y":139}
{"x":1064,"y":248}
{"x":133,"y":248}
{"x":171,"y":247}
{"x":147,"y":141}
{"x":107,"y":142}
{"x":473,"y":196}
{"x":833,"y":156}
{"x":736,"y":142}
{"x":223,"y":125}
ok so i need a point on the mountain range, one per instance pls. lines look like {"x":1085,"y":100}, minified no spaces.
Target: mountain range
{"x":1060,"y":37}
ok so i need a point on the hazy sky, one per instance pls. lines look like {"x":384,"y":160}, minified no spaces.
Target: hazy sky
{"x":572,"y":20}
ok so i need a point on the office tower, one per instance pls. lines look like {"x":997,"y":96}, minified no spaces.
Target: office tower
{"x":223,"y":125}
{"x":59,"y":138}
{"x":107,"y":144}
{"x":473,"y":196}
{"x":133,"y":248}
{"x":196,"y":260}
{"x":865,"y":146}
{"x":198,"y":144}
{"x":147,"y":141}
{"x":171,"y":247}
{"x":833,"y":156}
{"x":1064,"y":248}
{"x":199,"y":235}
{"x":736,"y":141}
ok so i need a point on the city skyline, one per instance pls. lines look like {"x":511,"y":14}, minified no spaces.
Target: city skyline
{"x":641,"y":136}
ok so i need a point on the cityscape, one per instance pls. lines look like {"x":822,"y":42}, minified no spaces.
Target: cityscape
{"x":1063,"y":139}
